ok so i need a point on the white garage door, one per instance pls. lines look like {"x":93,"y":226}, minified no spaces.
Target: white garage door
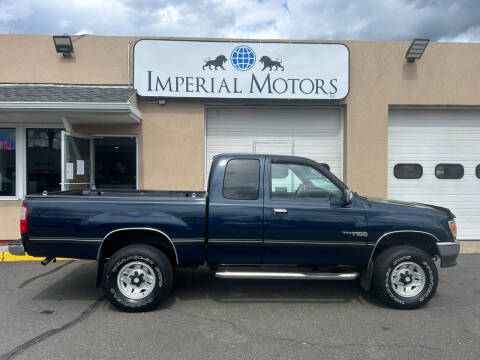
{"x":315,"y":133}
{"x":446,"y":146}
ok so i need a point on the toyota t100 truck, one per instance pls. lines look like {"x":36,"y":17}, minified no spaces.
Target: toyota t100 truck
{"x":263,"y":217}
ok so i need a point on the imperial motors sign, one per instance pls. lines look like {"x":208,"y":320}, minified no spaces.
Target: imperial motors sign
{"x":239,"y":70}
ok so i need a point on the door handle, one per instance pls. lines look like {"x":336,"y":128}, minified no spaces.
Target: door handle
{"x":280,"y":211}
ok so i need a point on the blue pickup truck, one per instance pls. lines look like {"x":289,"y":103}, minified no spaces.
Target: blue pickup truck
{"x":263,"y":217}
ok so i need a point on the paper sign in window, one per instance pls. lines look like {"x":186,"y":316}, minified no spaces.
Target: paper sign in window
{"x":80,"y":167}
{"x":69,"y":171}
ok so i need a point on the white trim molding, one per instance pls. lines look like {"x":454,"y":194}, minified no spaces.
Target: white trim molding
{"x":80,"y":107}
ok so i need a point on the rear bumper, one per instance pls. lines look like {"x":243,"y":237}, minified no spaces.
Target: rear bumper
{"x":448,"y":253}
{"x":15,"y":247}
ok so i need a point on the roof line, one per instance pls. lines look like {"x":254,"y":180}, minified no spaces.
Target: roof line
{"x":124,"y":107}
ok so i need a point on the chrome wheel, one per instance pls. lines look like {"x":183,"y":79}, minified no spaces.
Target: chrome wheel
{"x":136,"y":280}
{"x":408,"y":279}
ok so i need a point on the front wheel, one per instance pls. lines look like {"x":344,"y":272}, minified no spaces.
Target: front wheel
{"x":137,"y":278}
{"x":405,"y":277}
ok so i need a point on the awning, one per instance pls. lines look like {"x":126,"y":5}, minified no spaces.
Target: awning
{"x":81,"y":104}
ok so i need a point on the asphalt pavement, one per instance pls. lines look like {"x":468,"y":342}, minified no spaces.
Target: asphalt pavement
{"x":55,"y":312}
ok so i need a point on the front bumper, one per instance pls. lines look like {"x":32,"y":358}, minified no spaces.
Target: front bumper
{"x":15,"y":247}
{"x":448,"y":253}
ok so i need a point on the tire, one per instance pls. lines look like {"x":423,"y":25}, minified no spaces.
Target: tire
{"x":398,"y":274}
{"x":137,"y":278}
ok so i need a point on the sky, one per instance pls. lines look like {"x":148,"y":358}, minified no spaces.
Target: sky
{"x":438,"y":20}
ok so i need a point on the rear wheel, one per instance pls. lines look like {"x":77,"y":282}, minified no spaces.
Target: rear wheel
{"x":405,"y":277}
{"x":137,"y":278}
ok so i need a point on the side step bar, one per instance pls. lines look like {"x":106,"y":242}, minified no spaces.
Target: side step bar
{"x":284,"y":275}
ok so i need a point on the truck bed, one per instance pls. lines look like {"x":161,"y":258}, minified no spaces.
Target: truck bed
{"x":74,"y":223}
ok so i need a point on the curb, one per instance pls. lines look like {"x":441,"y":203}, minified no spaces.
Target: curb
{"x":6,"y":256}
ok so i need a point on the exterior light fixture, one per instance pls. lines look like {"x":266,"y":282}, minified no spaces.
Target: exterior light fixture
{"x":416,"y":49}
{"x":63,"y":44}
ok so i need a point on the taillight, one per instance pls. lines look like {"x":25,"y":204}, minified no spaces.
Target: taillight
{"x":23,"y":219}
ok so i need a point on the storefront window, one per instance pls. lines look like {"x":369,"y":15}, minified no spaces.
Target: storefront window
{"x":7,"y":162}
{"x":43,"y":160}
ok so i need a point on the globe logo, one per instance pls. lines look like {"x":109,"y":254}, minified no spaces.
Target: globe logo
{"x":242,"y":58}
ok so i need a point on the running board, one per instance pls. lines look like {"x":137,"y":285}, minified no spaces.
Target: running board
{"x":284,"y":275}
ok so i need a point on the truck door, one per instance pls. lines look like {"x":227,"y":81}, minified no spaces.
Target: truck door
{"x":235,"y":215}
{"x":76,"y":161}
{"x":305,"y":222}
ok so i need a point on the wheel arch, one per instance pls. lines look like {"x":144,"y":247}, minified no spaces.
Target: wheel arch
{"x":422,"y":240}
{"x":121,"y":237}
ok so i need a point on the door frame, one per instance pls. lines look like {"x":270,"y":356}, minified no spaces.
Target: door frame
{"x":64,"y":135}
{"x":99,"y":136}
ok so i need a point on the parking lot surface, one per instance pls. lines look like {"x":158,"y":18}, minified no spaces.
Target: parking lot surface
{"x":55,"y":312}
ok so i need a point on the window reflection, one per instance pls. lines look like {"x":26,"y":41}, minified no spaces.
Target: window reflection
{"x":7,"y":162}
{"x":43,"y":160}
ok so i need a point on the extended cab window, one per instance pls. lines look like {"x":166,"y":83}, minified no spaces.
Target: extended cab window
{"x":293,"y":181}
{"x":242,"y":179}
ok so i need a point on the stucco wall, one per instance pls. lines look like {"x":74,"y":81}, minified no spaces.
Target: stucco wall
{"x":32,"y":59}
{"x":173,"y":143}
{"x":172,"y":136}
{"x":10,"y":219}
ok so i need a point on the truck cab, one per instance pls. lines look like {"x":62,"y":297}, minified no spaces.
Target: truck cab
{"x":282,"y":210}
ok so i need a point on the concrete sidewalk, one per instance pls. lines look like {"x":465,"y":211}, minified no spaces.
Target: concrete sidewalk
{"x":469,"y":246}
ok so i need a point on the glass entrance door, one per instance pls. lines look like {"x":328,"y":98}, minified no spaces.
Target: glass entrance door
{"x":102,"y":162}
{"x":115,"y":162}
{"x":76,"y":161}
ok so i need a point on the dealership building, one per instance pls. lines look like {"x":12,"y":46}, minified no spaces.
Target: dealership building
{"x":151,"y":113}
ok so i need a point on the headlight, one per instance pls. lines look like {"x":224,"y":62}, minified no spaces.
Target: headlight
{"x":453,"y":228}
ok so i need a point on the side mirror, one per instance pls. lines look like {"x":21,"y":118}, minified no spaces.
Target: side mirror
{"x":347,"y":196}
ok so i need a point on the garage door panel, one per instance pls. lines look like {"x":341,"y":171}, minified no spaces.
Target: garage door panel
{"x":427,"y":151}
{"x":229,"y":142}
{"x":449,"y":197}
{"x":442,"y":131}
{"x":320,"y":153}
{"x":310,"y":137}
{"x":463,"y":195}
{"x":469,"y":171}
{"x":431,"y":137}
{"x":291,"y":119}
{"x":231,"y":149}
{"x":430,"y":144}
{"x":327,"y":144}
{"x":315,"y":133}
